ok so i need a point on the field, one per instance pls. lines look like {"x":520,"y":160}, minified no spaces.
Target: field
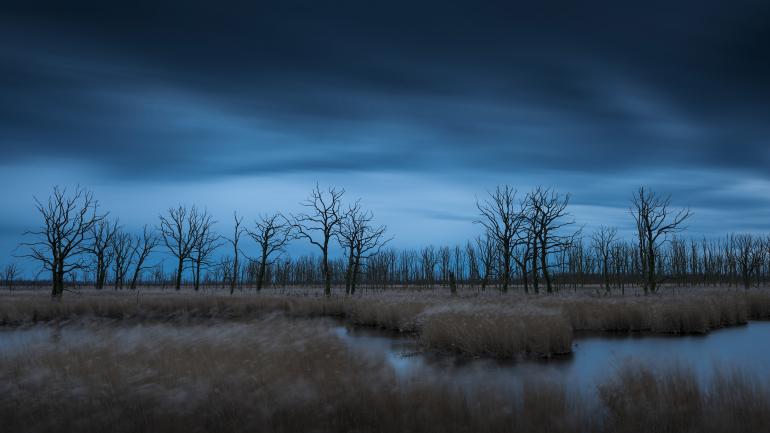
{"x":168,"y":361}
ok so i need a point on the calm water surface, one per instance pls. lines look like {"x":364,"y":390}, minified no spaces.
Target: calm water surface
{"x":595,"y":358}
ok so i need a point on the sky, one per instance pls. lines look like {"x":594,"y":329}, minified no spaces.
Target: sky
{"x":416,"y":107}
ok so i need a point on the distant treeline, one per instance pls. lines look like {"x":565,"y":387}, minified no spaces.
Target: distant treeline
{"x":528,"y":243}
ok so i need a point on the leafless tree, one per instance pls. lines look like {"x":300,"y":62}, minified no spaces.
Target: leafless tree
{"x":57,"y":244}
{"x":100,"y":247}
{"x":144,"y":246}
{"x":502,"y":220}
{"x":206,"y":242}
{"x":750,"y":256}
{"x":347,"y":233}
{"x":271,"y":233}
{"x":123,"y":248}
{"x":319,"y":223}
{"x":655,"y":221}
{"x":223,"y":271}
{"x":238,"y":230}
{"x":473,"y":264}
{"x":428,"y":261}
{"x":548,"y":210}
{"x":602,"y":243}
{"x":179,"y":230}
{"x":10,"y":273}
{"x":360,"y":240}
{"x":487,"y":256}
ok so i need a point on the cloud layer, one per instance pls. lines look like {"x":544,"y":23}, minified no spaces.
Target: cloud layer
{"x":458,"y":96}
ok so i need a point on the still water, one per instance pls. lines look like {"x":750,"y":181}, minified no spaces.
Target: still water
{"x":595,"y":359}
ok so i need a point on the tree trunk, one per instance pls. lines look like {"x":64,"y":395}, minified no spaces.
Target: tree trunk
{"x":535,"y":282}
{"x":55,"y":292}
{"x":349,"y":272}
{"x":354,"y":277}
{"x":58,"y":279}
{"x":326,"y":274}
{"x":101,"y":272}
{"x":651,"y":268}
{"x":135,"y":278}
{"x":544,"y":267}
{"x":234,"y":278}
{"x":507,"y":267}
{"x":261,"y":273}
{"x":197,"y":275}
{"x":178,"y":282}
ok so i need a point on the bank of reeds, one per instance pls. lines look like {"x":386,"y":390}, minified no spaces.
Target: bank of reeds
{"x":488,"y":325}
{"x":280,"y":375}
{"x":496,"y":332}
{"x":694,"y":313}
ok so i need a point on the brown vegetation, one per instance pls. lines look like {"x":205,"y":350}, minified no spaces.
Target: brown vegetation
{"x":493,"y":326}
{"x":282,"y":375}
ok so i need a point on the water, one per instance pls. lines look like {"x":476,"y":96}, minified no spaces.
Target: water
{"x":595,"y":358}
{"x":594,"y":361}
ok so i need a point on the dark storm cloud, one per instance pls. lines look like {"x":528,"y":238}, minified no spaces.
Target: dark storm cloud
{"x":595,"y":98}
{"x":179,"y":89}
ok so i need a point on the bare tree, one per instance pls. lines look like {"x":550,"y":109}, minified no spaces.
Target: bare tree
{"x":548,"y":210}
{"x":179,"y":230}
{"x":205,"y":244}
{"x":100,"y":247}
{"x":473,"y":264}
{"x":144,"y":246}
{"x":750,"y":256}
{"x":238,"y":230}
{"x":502,"y":220}
{"x":428,"y":261}
{"x":223,"y":271}
{"x":655,"y":221}
{"x":123,"y":247}
{"x":360,"y":239}
{"x":347,"y":234}
{"x":319,"y":224}
{"x":58,"y":243}
{"x":487,"y":257}
{"x":271,"y":233}
{"x":10,"y":273}
{"x":602,"y":243}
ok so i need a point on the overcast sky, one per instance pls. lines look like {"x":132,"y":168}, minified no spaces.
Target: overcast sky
{"x":415,"y":106}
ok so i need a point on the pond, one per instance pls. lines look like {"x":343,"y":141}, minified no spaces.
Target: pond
{"x":595,"y":358}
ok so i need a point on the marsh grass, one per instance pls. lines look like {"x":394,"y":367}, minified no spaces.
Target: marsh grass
{"x":486,"y":325}
{"x":277,"y":374}
{"x":496,"y":332}
{"x":685,"y":314}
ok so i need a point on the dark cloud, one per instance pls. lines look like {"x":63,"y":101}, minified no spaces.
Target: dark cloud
{"x":593,"y":97}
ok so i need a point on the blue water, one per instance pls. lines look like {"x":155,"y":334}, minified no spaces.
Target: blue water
{"x":596,"y":359}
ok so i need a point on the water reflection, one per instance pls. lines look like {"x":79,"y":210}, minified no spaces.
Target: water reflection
{"x":595,"y":358}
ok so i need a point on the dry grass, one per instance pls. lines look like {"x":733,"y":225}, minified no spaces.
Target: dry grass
{"x":286,"y":375}
{"x":486,"y":325}
{"x":684,"y":314}
{"x":495,"y":332}
{"x":639,"y":399}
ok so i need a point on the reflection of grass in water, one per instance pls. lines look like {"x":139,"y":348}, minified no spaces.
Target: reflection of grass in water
{"x":277,"y":374}
{"x":485,"y":325}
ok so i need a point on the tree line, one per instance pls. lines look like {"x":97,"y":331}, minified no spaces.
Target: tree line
{"x":529,"y":242}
